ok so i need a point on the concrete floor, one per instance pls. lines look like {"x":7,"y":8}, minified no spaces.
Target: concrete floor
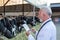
{"x":58,"y":30}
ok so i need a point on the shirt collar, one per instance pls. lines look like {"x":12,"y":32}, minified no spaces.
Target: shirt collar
{"x":46,"y":21}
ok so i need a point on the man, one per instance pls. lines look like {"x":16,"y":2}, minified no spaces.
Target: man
{"x":47,"y":30}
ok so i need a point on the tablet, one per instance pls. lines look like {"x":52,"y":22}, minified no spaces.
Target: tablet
{"x":26,"y":27}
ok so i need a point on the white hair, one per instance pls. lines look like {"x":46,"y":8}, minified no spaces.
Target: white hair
{"x":47,"y":9}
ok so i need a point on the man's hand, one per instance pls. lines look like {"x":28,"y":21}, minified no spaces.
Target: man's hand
{"x":28,"y":33}
{"x":33,"y":30}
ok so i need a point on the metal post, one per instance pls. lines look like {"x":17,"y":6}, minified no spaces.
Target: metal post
{"x":4,"y":6}
{"x":34,"y":14}
{"x":4,"y":9}
{"x":22,"y":8}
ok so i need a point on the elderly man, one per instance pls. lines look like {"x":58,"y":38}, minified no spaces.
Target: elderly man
{"x":48,"y":29}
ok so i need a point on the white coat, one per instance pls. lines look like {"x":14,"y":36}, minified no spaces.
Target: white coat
{"x":48,"y":32}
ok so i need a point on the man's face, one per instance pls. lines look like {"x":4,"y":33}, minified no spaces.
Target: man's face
{"x":40,"y":14}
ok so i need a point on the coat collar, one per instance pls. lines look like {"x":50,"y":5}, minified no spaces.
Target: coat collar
{"x":46,"y":21}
